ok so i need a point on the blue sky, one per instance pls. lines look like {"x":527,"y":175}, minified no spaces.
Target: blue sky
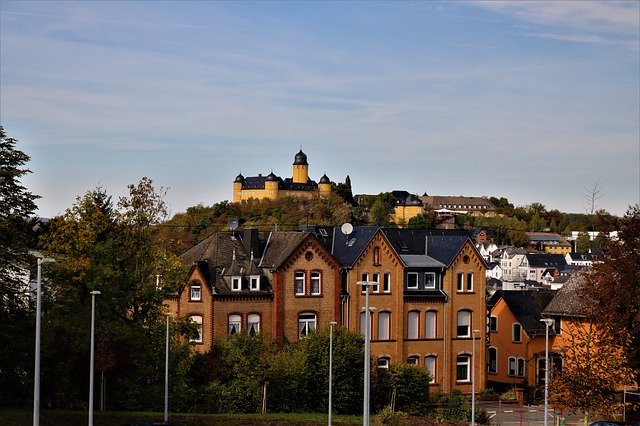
{"x":533,"y":101}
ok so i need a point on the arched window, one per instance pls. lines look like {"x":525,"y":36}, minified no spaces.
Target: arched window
{"x":299,"y":282}
{"x":492,"y":366}
{"x":316,"y":283}
{"x":516,"y":335}
{"x":253,"y":324}
{"x":363,"y":325}
{"x":197,"y":337}
{"x":463,"y":363}
{"x":306,"y":324}
{"x":431,"y":320}
{"x":430,"y":363}
{"x":383,"y":362}
{"x":413,"y":360}
{"x":384,"y":322}
{"x":235,"y":322}
{"x":413,"y":321}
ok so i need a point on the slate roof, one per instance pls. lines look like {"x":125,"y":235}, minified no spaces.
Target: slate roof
{"x":347,"y":248}
{"x":257,"y":182}
{"x":569,"y":301}
{"x":279,"y":247}
{"x":527,"y":306}
{"x":420,"y":261}
{"x":220,"y":256}
{"x":404,"y":198}
{"x":440,"y":201}
{"x":544,"y":260}
{"x":547,"y":237}
{"x":440,"y":244}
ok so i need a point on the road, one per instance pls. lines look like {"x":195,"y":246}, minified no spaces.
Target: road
{"x":527,"y":415}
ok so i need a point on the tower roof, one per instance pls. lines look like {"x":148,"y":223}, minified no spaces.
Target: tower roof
{"x":324,"y":179}
{"x":300,"y":159}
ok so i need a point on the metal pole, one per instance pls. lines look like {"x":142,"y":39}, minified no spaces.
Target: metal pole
{"x":547,"y":323}
{"x":331,"y":324}
{"x":473,"y":379}
{"x":166,"y":375}
{"x":367,"y":357}
{"x":36,"y":370}
{"x":93,"y":317}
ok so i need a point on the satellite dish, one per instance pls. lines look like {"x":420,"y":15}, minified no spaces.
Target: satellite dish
{"x":233,"y":223}
{"x":346,"y":228}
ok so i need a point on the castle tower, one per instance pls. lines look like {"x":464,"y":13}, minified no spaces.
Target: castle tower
{"x":300,"y":168}
{"x":324,"y":186}
{"x":271,"y":187}
{"x":237,"y":188}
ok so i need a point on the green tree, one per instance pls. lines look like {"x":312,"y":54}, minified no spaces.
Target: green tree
{"x":17,"y":204}
{"x":404,"y":387}
{"x":381,"y":209}
{"x":111,"y":249}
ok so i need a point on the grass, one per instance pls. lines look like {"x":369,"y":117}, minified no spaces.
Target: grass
{"x":79,"y":418}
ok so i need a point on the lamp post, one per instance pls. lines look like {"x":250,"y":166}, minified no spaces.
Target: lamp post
{"x":473,"y":378}
{"x":36,"y":369}
{"x":548,"y":322}
{"x":93,"y":319}
{"x":367,"y":354}
{"x":166,"y":373}
{"x":331,"y":324}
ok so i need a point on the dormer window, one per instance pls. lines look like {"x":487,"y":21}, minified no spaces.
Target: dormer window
{"x":236,"y":283}
{"x":430,"y":280}
{"x":254,"y":283}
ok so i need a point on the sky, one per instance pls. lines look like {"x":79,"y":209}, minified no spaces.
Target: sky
{"x":533,"y":101}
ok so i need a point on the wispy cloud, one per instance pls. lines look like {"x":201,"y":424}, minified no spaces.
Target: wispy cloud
{"x":601,"y":22}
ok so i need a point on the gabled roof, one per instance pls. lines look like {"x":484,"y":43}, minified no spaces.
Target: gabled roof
{"x":279,"y":247}
{"x":547,"y":237}
{"x":570,"y":300}
{"x":527,"y":306}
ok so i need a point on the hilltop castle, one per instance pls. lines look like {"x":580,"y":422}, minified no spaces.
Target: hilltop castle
{"x":274,"y":187}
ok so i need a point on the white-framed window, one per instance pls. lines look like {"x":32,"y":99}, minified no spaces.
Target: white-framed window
{"x":383,"y":362}
{"x":412,"y":280}
{"x":299,"y":281}
{"x":365,"y":278}
{"x":386,"y":283}
{"x":235,"y":324}
{"x":430,"y":280}
{"x":253,"y":324}
{"x":464,"y":324}
{"x":306,"y":324}
{"x":197,"y":337}
{"x":493,"y":323}
{"x":316,"y":283}
{"x":492,"y":365}
{"x":460,"y":285}
{"x":463,"y":363}
{"x":512,"y":367}
{"x":557,"y":326}
{"x":254,"y":283}
{"x":375,"y":279}
{"x":196,"y":292}
{"x":431,"y":322}
{"x":516,"y":333}
{"x":470,"y":281}
{"x":413,"y":360}
{"x":384,"y":325}
{"x":236,"y":283}
{"x":413,"y":324}
{"x":430,"y":363}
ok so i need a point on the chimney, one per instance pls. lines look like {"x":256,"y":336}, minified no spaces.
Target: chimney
{"x":251,"y":241}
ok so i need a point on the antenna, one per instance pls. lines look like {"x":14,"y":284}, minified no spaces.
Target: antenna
{"x":346,"y":228}
{"x":232,"y":223}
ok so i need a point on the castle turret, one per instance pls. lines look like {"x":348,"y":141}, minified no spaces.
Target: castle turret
{"x":300,"y":168}
{"x":271,"y":186}
{"x":324,"y":186}
{"x":237,"y":188}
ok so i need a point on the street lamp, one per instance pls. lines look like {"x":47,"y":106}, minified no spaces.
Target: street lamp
{"x":331,"y":324}
{"x":548,"y":323}
{"x":367,"y":352}
{"x":93,"y":319}
{"x":36,"y":370}
{"x":166,"y":373}
{"x":473,"y":378}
